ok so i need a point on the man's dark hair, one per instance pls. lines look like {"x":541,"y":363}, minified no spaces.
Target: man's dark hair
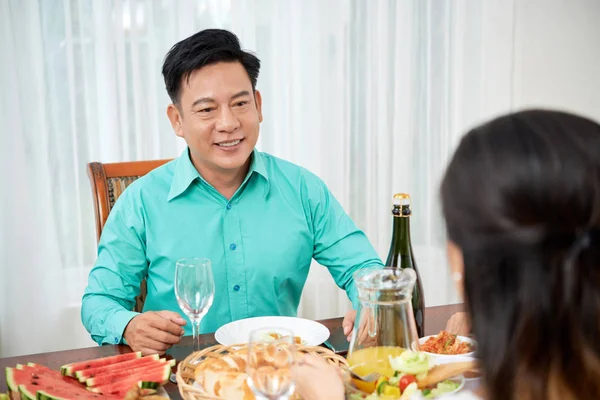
{"x":206,"y":47}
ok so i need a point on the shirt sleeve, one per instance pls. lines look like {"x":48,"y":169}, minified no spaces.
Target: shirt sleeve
{"x":339,"y":244}
{"x":115,"y":279}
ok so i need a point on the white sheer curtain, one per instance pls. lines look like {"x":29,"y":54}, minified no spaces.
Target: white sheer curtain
{"x":370,"y":95}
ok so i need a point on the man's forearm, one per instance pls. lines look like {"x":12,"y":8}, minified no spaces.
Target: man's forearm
{"x":105,"y":318}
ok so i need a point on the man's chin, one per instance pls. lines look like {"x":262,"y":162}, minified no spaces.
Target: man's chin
{"x":233,"y":163}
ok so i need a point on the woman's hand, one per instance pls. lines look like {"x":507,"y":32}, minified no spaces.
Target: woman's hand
{"x":316,"y":379}
{"x":459,"y":324}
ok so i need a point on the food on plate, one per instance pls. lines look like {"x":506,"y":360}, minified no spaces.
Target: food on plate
{"x":408,"y":368}
{"x":446,"y":343}
{"x":372,"y":359}
{"x":115,"y":378}
{"x":273,"y":336}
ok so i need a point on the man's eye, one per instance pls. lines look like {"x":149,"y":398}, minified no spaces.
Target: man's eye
{"x":241,"y":103}
{"x":206,"y":110}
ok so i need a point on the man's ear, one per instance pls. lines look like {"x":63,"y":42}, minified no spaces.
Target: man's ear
{"x":258,"y":101}
{"x":176,"y":119}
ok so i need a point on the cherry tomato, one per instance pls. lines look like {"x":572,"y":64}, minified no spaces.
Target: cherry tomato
{"x":405,"y":381}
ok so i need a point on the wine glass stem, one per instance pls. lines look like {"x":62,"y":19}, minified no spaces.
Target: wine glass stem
{"x":196,"y":333}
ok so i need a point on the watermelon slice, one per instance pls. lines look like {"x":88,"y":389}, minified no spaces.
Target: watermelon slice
{"x":25,"y":383}
{"x":149,"y":379}
{"x":37,"y":369}
{"x":135,"y":363}
{"x":117,"y":375}
{"x":71,"y":369}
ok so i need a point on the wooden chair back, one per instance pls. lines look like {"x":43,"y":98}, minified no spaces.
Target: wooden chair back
{"x":108,"y":181}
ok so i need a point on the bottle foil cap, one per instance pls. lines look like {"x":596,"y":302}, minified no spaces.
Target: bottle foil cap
{"x":401,"y":199}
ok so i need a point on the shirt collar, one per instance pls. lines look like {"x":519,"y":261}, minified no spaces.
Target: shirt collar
{"x":185,"y":173}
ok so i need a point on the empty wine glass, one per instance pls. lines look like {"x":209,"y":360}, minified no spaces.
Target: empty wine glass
{"x":195,"y":290}
{"x":271,"y":354}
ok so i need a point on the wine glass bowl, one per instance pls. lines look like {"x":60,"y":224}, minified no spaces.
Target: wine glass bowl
{"x":195,"y":291}
{"x":269,"y":363}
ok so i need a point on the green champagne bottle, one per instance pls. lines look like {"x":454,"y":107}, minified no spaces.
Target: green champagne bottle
{"x":401,"y":254}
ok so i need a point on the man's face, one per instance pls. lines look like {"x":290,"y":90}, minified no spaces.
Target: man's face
{"x":218,"y":116}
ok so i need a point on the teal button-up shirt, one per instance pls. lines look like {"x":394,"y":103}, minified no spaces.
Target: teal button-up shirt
{"x":261,"y":243}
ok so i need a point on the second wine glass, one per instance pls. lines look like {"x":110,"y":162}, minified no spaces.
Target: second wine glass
{"x":195,"y":291}
{"x":271,"y":354}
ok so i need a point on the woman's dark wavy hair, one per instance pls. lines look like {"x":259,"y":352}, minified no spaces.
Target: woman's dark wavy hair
{"x":521,"y":199}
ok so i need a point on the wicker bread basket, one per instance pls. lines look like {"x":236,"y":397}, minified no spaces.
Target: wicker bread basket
{"x":186,"y":369}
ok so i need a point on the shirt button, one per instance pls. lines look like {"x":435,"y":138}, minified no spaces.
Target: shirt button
{"x":232,"y":246}
{"x":236,"y":288}
{"x":229,"y":206}
{"x":116,"y":340}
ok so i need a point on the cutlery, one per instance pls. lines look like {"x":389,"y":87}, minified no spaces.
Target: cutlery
{"x":372,"y":377}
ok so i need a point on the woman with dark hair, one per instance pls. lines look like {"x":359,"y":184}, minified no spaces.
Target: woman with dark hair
{"x":521,"y":200}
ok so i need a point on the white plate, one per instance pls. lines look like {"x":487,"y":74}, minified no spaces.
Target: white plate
{"x":238,"y":332}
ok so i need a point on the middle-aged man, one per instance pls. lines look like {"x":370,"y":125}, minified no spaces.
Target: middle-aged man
{"x":261,"y":220}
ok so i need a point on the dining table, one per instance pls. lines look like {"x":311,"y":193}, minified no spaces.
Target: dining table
{"x":435,"y":321}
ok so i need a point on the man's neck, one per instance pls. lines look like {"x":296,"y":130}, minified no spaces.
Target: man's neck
{"x":226,"y":182}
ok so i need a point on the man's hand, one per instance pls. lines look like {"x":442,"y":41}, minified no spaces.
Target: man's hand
{"x":154,"y":332}
{"x":348,"y":323}
{"x":459,"y":324}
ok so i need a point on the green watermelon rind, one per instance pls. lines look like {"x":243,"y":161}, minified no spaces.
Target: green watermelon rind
{"x":42,"y":395}
{"x":67,"y":369}
{"x":10,"y":382}
{"x":26,"y":394}
{"x":4,"y":396}
{"x":82,"y":377}
{"x":148,"y":385}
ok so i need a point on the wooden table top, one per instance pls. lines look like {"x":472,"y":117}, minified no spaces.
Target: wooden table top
{"x":435,"y":320}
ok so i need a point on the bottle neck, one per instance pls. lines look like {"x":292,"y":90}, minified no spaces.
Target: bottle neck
{"x":401,"y":243}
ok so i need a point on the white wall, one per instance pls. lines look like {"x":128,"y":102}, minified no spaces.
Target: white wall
{"x":557,"y":55}
{"x":503,"y":55}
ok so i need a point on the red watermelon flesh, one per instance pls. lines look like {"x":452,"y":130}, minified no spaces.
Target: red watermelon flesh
{"x":117,"y":375}
{"x":71,"y":369}
{"x":135,"y":363}
{"x":41,"y":370}
{"x":26,"y":382}
{"x":158,"y":376}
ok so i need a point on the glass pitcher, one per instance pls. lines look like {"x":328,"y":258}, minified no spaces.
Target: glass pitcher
{"x":385,"y":324}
